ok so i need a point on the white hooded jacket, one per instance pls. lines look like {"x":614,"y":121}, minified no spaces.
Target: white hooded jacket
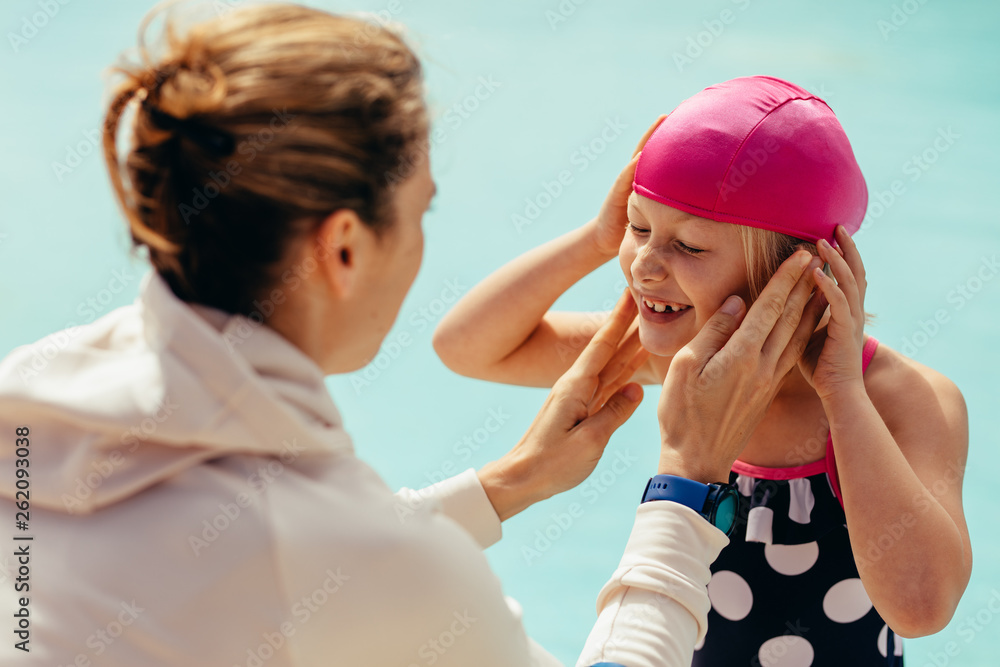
{"x":193,"y":499}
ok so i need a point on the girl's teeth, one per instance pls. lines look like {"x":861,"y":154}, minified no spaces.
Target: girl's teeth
{"x":662,"y":308}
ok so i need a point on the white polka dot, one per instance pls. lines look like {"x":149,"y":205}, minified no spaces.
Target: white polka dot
{"x":846,"y":601}
{"x":745,"y":485}
{"x":759,"y":522}
{"x":791,"y":559}
{"x":730,"y":595}
{"x":802,"y":501}
{"x":786,"y":651}
{"x":884,"y":636}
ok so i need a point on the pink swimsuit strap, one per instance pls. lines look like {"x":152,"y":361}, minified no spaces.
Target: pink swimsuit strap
{"x":828,"y":464}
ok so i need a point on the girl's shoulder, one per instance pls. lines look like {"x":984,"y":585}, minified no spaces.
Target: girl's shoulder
{"x":906,"y":392}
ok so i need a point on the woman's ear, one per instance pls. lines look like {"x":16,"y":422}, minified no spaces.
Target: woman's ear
{"x":341,"y":241}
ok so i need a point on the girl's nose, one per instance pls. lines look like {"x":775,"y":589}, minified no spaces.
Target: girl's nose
{"x":649,"y":265}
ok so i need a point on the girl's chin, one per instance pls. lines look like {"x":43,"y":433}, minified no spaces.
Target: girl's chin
{"x":661,"y":346}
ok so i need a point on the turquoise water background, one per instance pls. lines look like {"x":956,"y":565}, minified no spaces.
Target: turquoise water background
{"x":521,"y":90}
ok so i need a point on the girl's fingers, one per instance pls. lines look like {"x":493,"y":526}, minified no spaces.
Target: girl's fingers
{"x":649,"y":132}
{"x":849,"y":251}
{"x":842,"y":272}
{"x":840,"y":309}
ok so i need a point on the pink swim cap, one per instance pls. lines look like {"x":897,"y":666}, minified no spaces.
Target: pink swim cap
{"x":756,"y":151}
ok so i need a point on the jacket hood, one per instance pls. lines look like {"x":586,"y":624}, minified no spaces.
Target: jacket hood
{"x":154,"y":388}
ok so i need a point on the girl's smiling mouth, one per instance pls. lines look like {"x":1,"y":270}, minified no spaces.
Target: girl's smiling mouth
{"x":661,"y":312}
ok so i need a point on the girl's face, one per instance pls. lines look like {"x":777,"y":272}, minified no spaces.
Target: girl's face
{"x":670,"y":257}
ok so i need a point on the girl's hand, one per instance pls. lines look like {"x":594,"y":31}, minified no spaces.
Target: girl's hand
{"x":608,"y":228}
{"x":586,"y":405}
{"x":832,"y":360}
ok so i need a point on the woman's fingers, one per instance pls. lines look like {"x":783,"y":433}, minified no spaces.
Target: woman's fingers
{"x":604,"y":345}
{"x":630,"y":357}
{"x":799,"y":343}
{"x":626,"y":350}
{"x":791,"y":316}
{"x":769,"y":306}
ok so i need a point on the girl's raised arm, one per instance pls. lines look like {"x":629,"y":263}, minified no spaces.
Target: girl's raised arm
{"x":503,"y":330}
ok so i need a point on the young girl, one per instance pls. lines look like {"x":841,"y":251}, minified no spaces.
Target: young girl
{"x":853,"y":533}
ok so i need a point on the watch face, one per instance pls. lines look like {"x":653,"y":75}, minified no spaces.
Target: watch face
{"x":725,"y":512}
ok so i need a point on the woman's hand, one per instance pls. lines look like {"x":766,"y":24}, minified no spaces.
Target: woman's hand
{"x":832,"y":360}
{"x":608,"y":228}
{"x":720,"y":384}
{"x":586,"y":405}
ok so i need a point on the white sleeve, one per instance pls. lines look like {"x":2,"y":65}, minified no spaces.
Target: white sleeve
{"x":654,"y":609}
{"x":462,"y":499}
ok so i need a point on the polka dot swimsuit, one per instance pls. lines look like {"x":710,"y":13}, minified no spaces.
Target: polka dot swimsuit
{"x":786,"y":592}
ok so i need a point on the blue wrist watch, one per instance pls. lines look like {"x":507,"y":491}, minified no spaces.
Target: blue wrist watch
{"x":719,"y":503}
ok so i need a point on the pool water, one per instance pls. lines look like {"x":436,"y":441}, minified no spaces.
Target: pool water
{"x":540,"y":104}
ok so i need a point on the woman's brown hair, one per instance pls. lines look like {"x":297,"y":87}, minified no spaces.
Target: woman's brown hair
{"x":251,"y":128}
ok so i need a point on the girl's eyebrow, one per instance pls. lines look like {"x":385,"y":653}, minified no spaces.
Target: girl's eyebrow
{"x":699,"y":223}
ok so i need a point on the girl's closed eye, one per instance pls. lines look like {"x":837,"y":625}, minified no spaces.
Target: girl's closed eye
{"x":683,"y":246}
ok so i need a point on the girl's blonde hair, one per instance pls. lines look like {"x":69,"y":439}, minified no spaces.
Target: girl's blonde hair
{"x":252,"y":127}
{"x":765,"y":250}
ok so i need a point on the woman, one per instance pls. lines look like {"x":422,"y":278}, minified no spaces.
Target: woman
{"x":854,"y":477}
{"x":187,"y":491}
